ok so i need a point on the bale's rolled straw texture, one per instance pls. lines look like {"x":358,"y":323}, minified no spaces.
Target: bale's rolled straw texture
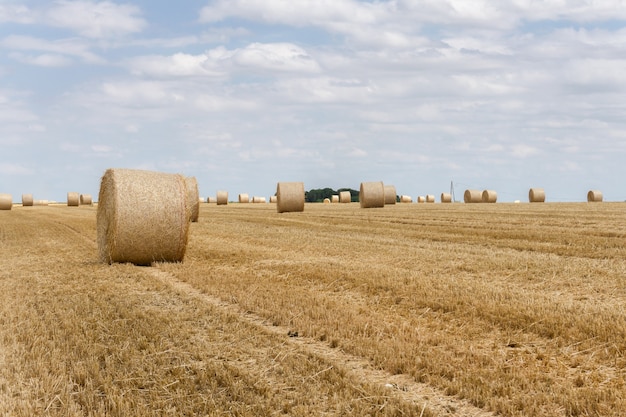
{"x":334,"y":198}
{"x":594,"y":196}
{"x":273,"y":199}
{"x":472,"y":196}
{"x":222,"y":198}
{"x":257,"y":199}
{"x":86,"y":200}
{"x":421,"y":199}
{"x":244,"y":198}
{"x":372,"y":194}
{"x":213,"y":200}
{"x":73,"y":199}
{"x":6,"y":202}
{"x":142,"y":217}
{"x":27,"y":200}
{"x":406,"y":199}
{"x":489,"y":196}
{"x":446,"y":198}
{"x":345,"y":197}
{"x":536,"y":195}
{"x":390,"y":194}
{"x":289,"y":197}
{"x":430,"y":198}
{"x":193,"y":200}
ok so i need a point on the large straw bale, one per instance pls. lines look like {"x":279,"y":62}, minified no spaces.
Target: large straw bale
{"x":6,"y":202}
{"x":73,"y":199}
{"x":142,"y":217}
{"x":430,"y":198}
{"x":446,"y":198}
{"x":536,"y":195}
{"x":334,"y":198}
{"x":473,"y":196}
{"x":193,"y":201}
{"x":594,"y":196}
{"x":345,"y":197}
{"x":372,"y":194}
{"x":489,"y":196}
{"x":222,"y":198}
{"x":27,"y":200}
{"x":406,"y":199}
{"x":86,"y":200}
{"x":289,"y":197}
{"x":244,"y":198}
{"x":390,"y":194}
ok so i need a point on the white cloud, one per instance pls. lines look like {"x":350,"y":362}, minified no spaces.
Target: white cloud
{"x":96,"y":19}
{"x":71,"y":47}
{"x":177,"y":65}
{"x":276,"y":57}
{"x":16,"y":13}
{"x":42,"y":60}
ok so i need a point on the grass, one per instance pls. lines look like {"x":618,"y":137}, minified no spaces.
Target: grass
{"x":516,"y":309}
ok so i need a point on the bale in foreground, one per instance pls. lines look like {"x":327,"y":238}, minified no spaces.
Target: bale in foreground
{"x":473,"y":196}
{"x":390,"y":194}
{"x":289,"y":197}
{"x":73,"y":199}
{"x":193,"y":199}
{"x":6,"y":202}
{"x":142,"y":217}
{"x":27,"y":200}
{"x":536,"y":195}
{"x":372,"y":194}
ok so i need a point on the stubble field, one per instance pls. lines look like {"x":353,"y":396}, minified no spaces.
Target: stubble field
{"x":415,"y":310}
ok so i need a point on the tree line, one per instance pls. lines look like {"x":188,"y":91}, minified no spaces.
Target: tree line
{"x":318,"y":195}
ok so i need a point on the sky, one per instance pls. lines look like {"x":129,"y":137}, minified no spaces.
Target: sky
{"x":242,"y":94}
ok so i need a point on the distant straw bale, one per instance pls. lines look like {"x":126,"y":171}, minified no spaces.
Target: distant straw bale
{"x":244,"y":198}
{"x":222,"y":198}
{"x":473,"y":196}
{"x":289,"y":197}
{"x":421,"y":199}
{"x":73,"y":199}
{"x":27,"y":200}
{"x":257,"y":199}
{"x":536,"y":195}
{"x":327,"y":201}
{"x":372,"y":194}
{"x":142,"y":217}
{"x":6,"y":202}
{"x":40,"y":202}
{"x":406,"y":199}
{"x":193,"y":201}
{"x":446,"y":198}
{"x":345,"y":197}
{"x":213,"y":200}
{"x":334,"y":198}
{"x":594,"y":196}
{"x":273,"y":199}
{"x":86,"y":200}
{"x":390,"y":194}
{"x":489,"y":196}
{"x":430,"y":198}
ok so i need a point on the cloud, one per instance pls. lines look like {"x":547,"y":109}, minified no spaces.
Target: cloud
{"x":16,"y":13}
{"x":275,"y":57}
{"x":95,"y":19}
{"x":71,"y":47}
{"x":177,"y":65}
{"x":42,"y":60}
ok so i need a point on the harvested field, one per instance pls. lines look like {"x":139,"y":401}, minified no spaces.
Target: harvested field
{"x":419,"y":310}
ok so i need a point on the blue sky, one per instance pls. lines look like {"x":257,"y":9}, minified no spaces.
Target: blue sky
{"x":243,"y":94}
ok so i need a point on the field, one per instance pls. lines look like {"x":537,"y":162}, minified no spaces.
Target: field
{"x":411,"y":310}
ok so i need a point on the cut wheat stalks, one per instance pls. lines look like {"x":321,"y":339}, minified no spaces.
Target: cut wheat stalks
{"x":536,"y":195}
{"x":372,"y":194}
{"x":86,"y":200}
{"x":446,"y":198}
{"x":594,"y":196}
{"x":289,"y":197}
{"x":472,"y":196}
{"x":345,"y":197}
{"x":193,"y":202}
{"x":390,"y":194}
{"x":142,"y":217}
{"x":244,"y":198}
{"x":27,"y":200}
{"x":6,"y":202}
{"x":222,"y":198}
{"x":489,"y":196}
{"x":73,"y":199}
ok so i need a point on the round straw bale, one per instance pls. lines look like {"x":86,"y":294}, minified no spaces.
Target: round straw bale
{"x":406,"y":199}
{"x":430,"y":198}
{"x":421,"y":199}
{"x":222,"y":198}
{"x":390,"y":194}
{"x":201,"y":200}
{"x":86,"y":200}
{"x":290,"y":196}
{"x":334,"y":198}
{"x":40,"y":202}
{"x":536,"y":195}
{"x":273,"y":199}
{"x":244,"y":198}
{"x":327,"y":201}
{"x":193,"y":202}
{"x":27,"y":200}
{"x":73,"y":199}
{"x":6,"y":202}
{"x":257,"y":199}
{"x":345,"y":197}
{"x":446,"y":198}
{"x":372,"y":194}
{"x":489,"y":196}
{"x":213,"y":200}
{"x":473,"y":196}
{"x":594,"y":196}
{"x":142,"y":217}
